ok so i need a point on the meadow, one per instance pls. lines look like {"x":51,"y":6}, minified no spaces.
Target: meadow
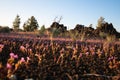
{"x":29,"y":57}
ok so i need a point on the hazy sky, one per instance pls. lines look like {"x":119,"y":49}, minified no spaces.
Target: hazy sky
{"x":73,"y":11}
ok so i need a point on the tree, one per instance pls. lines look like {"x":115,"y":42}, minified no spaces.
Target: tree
{"x":90,"y":25}
{"x":100,"y":22}
{"x":16,"y":23}
{"x":31,"y":24}
{"x":4,"y":29}
{"x":42,"y":30}
{"x":55,"y":32}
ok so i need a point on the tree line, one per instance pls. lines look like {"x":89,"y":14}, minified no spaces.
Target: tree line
{"x":103,"y":28}
{"x":30,"y":25}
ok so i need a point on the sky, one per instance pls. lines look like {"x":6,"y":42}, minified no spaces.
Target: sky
{"x":73,"y":12}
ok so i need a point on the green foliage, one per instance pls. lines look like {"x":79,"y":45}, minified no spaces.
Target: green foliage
{"x":4,"y":29}
{"x":42,"y":30}
{"x":16,"y":23}
{"x":31,"y":24}
{"x":55,"y":32}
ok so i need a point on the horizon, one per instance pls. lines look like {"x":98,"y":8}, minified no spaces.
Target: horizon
{"x":73,"y":12}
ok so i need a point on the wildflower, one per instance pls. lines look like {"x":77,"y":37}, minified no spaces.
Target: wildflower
{"x":22,"y":59}
{"x":1,"y":46}
{"x":11,"y":55}
{"x":27,"y":45}
{"x":80,"y":55}
{"x":28,"y":58}
{"x":22,"y":48}
{"x":9,"y":66}
{"x":0,"y":49}
{"x":16,"y":56}
{"x":110,"y":58}
{"x":87,"y":53}
{"x":61,"y":51}
{"x":93,"y":53}
{"x":30,"y":51}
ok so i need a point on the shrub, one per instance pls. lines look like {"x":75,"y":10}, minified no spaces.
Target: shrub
{"x":4,"y":29}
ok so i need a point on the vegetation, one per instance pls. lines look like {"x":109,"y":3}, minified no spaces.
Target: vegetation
{"x":4,"y":29}
{"x":100,"y":22}
{"x":27,"y":57}
{"x":84,"y":53}
{"x":42,"y":30}
{"x":16,"y":23}
{"x":31,"y":25}
{"x":103,"y":29}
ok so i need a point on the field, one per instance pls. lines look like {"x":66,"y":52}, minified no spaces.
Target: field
{"x":27,"y":56}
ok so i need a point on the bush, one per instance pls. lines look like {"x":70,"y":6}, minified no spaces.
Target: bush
{"x":4,"y":29}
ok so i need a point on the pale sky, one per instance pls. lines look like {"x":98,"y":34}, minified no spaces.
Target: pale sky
{"x":74,"y":12}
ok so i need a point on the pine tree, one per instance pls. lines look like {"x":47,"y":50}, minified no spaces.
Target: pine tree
{"x":31,"y":24}
{"x":42,"y":30}
{"x":16,"y":23}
